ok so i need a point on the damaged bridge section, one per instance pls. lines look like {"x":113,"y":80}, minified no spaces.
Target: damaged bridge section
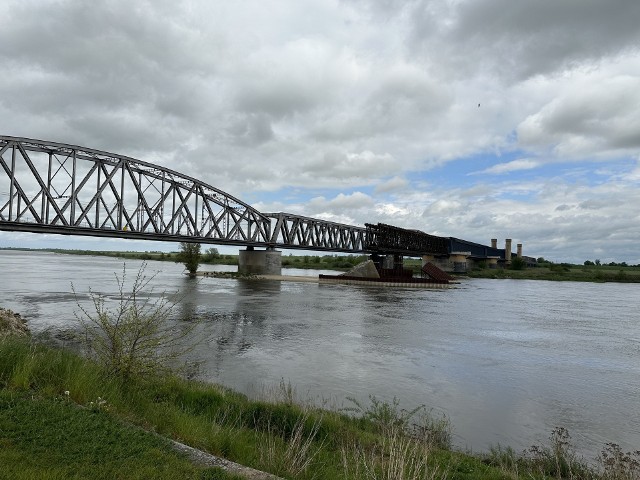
{"x":388,"y":239}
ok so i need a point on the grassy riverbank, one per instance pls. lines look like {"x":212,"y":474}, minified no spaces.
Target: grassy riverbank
{"x":565,"y":272}
{"x":62,"y":416}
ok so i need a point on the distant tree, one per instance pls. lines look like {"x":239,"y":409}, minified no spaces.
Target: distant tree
{"x":190,"y":256}
{"x":518,"y":263}
{"x":211,"y":254}
{"x":588,"y":263}
{"x":541,"y":260}
{"x":597,"y":261}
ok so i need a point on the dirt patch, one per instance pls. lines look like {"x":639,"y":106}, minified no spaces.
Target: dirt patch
{"x":12,"y":323}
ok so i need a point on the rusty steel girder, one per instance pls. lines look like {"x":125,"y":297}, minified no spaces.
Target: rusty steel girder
{"x":390,"y":239}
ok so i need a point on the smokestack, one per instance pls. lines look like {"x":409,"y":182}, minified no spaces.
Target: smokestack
{"x":507,"y":249}
{"x":494,"y":243}
{"x":519,"y":250}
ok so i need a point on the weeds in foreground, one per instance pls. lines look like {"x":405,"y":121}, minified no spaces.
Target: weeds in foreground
{"x":432,"y":430}
{"x":428,"y":429}
{"x":382,"y":442}
{"x":506,"y":459}
{"x":135,"y":338}
{"x":559,"y":461}
{"x":397,"y":457}
{"x":292,"y":454}
{"x":386,"y":416}
{"x":618,"y":465}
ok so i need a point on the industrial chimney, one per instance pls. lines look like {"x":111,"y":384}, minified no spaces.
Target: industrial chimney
{"x":507,"y":250}
{"x":494,"y":243}
{"x":519,"y":250}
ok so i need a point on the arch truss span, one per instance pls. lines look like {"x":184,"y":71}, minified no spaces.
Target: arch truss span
{"x":298,"y":232}
{"x":48,"y":187}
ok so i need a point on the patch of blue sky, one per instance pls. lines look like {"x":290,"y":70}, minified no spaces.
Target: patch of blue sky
{"x":464,"y":172}
{"x":518,"y":166}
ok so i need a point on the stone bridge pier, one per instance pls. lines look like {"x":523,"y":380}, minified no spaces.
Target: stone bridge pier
{"x":260,"y":262}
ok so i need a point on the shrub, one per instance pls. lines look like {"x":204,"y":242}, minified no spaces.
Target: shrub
{"x":518,"y":263}
{"x":135,"y":338}
{"x":190,"y":256}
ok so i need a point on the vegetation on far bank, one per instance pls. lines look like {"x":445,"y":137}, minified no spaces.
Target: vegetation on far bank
{"x":589,"y":271}
{"x":211,"y":256}
{"x":547,"y":270}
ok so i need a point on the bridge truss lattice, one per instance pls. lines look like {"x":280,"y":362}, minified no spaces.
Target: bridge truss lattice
{"x":48,"y":187}
{"x":299,"y":232}
{"x":51,"y":187}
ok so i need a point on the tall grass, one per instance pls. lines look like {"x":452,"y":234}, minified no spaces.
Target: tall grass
{"x":372,"y":441}
{"x":558,"y":460}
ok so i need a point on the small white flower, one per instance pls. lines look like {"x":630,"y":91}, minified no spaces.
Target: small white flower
{"x":66,"y":392}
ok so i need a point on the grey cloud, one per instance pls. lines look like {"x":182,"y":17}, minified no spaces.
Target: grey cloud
{"x":600,"y":203}
{"x":523,"y":39}
{"x":392,"y":185}
{"x":563,"y":207}
{"x":252,"y":130}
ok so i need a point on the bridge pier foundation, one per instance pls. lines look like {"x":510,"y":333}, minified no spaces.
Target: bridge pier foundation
{"x":455,"y":262}
{"x":260,"y":262}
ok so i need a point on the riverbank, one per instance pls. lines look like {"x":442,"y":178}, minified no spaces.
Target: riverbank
{"x":62,"y":416}
{"x":564,"y":273}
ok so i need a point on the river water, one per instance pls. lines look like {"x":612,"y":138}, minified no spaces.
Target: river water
{"x":505,"y":360}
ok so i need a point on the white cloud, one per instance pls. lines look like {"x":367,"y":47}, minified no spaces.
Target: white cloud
{"x":512,"y":166}
{"x":342,"y":202}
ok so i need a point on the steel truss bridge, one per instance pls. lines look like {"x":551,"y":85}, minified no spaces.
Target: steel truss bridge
{"x":48,"y":187}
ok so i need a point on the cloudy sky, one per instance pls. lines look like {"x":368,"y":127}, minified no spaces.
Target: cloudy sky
{"x":477,"y":119}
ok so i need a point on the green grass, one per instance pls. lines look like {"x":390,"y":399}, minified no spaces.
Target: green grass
{"x":52,"y":438}
{"x":100,"y":429}
{"x":565,"y":272}
{"x":90,"y":432}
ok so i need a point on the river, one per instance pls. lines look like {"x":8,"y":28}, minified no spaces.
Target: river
{"x":505,"y":360}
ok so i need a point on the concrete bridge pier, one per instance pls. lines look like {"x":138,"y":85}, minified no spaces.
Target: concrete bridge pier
{"x":393,"y":262}
{"x":260,"y":262}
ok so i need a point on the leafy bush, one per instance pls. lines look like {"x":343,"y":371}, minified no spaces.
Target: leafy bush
{"x":190,"y":256}
{"x":518,"y":263}
{"x":135,"y":338}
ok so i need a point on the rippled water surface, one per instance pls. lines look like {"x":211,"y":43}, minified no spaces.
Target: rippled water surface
{"x":506,"y":360}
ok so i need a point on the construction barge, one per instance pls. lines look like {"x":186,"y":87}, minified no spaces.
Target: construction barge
{"x":370,"y":273}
